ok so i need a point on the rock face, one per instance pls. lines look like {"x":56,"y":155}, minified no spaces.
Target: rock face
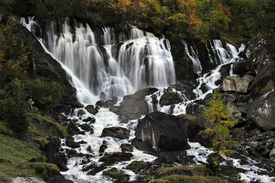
{"x":236,"y":83}
{"x":262,"y":111}
{"x":48,"y":69}
{"x":160,"y":132}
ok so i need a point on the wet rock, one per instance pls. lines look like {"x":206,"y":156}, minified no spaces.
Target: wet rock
{"x":170,"y":98}
{"x":116,"y":132}
{"x":110,"y":159}
{"x":133,"y":106}
{"x":160,"y":132}
{"x":137,"y":166}
{"x":103,"y":147}
{"x":89,"y":120}
{"x":126,"y":148}
{"x":71,"y":143}
{"x":262,"y":111}
{"x":99,"y":103}
{"x":114,"y":109}
{"x":108,"y":104}
{"x":185,"y":87}
{"x":72,"y":128}
{"x":87,"y":128}
{"x":93,"y":169}
{"x":177,"y":156}
{"x":118,"y":175}
{"x":91,"y":109}
{"x":61,"y":161}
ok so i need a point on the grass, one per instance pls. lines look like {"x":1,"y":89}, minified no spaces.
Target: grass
{"x":198,"y":173}
{"x":4,"y":129}
{"x":15,"y":156}
{"x":190,"y":179}
{"x":50,"y":121}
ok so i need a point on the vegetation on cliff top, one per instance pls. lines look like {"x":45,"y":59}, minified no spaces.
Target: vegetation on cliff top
{"x":234,"y":20}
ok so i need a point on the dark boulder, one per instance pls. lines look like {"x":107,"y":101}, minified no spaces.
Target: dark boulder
{"x":92,"y":109}
{"x":50,"y":152}
{"x":126,"y":148}
{"x":110,"y":159}
{"x":71,"y":143}
{"x":117,"y":174}
{"x":262,"y":111}
{"x":160,"y":132}
{"x":170,"y":98}
{"x":188,"y":123}
{"x":116,"y":132}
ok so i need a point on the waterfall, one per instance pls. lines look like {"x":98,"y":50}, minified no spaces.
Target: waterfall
{"x":193,"y":55}
{"x":143,"y":60}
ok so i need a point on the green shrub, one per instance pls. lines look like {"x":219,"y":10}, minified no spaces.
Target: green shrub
{"x":39,"y":169}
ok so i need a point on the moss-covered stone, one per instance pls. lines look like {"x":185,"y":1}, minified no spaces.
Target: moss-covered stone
{"x":137,"y":166}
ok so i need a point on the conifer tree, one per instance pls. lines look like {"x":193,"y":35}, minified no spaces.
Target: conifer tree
{"x":217,"y":113}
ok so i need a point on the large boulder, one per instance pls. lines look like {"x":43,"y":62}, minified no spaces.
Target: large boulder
{"x":265,"y":80}
{"x":262,"y":111}
{"x":170,"y":98}
{"x":133,"y":106}
{"x":116,"y":132}
{"x":160,"y":132}
{"x":236,"y":83}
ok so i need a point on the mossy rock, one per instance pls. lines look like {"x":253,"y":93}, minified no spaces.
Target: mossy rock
{"x":116,"y":174}
{"x":45,"y":169}
{"x":137,"y":166}
{"x":170,"y":98}
{"x":189,"y":117}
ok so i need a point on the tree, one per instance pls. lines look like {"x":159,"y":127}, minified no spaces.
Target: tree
{"x":217,"y":113}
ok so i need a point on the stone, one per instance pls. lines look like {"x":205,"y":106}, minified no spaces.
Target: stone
{"x":236,"y":83}
{"x":160,"y":132}
{"x":27,"y":180}
{"x":170,"y":98}
{"x":272,"y":154}
{"x":262,"y":111}
{"x":91,"y":109}
{"x":116,"y":132}
{"x":126,"y":148}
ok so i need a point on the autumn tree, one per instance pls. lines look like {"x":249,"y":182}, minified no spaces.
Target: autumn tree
{"x":217,"y":113}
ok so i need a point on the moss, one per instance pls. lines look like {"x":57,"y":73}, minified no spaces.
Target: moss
{"x":190,"y":179}
{"x":268,"y":133}
{"x":236,"y":131}
{"x":45,"y":169}
{"x":15,"y":156}
{"x":49,"y":121}
{"x":189,"y":117}
{"x":137,"y":166}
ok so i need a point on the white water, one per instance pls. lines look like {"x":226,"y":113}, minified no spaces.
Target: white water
{"x":83,"y":61}
{"x":76,"y":47}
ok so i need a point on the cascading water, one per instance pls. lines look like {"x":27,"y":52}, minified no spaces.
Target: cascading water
{"x":142,"y":60}
{"x":193,"y":55}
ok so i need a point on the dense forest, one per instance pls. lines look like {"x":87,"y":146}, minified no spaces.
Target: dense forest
{"x":232,"y":20}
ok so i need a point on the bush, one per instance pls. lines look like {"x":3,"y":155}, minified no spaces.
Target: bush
{"x":15,"y":116}
{"x":39,"y":169}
